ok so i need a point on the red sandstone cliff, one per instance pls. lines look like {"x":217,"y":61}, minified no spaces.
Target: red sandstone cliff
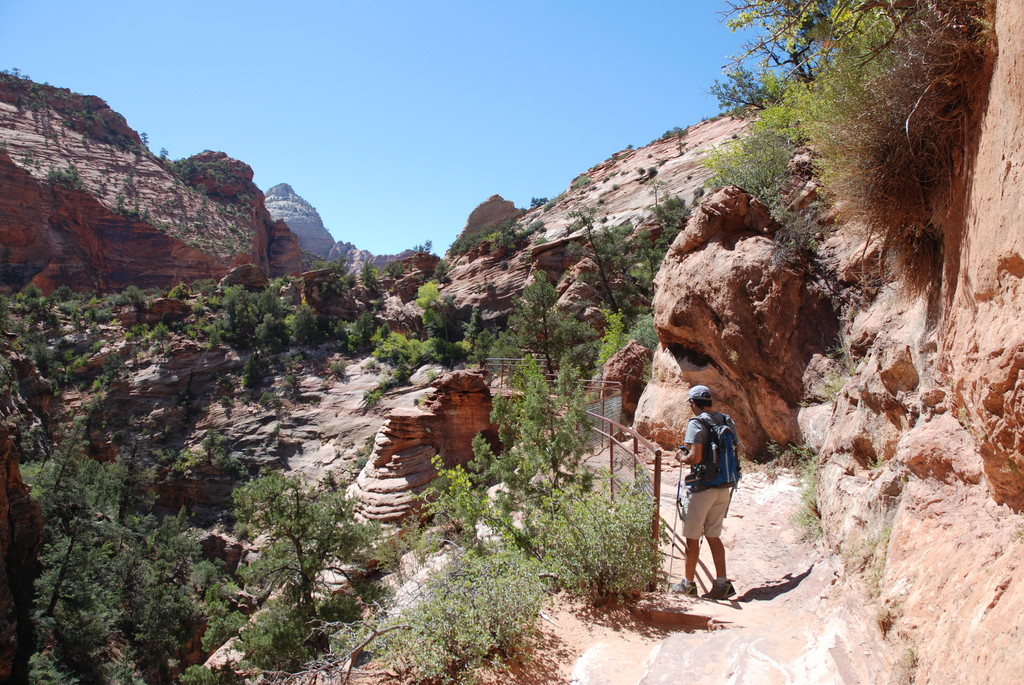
{"x":84,"y":203}
{"x":21,"y":405}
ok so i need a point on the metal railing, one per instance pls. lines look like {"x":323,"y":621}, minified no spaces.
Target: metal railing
{"x":629,"y":456}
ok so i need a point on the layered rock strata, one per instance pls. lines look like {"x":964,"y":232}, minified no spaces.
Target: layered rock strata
{"x":84,"y":203}
{"x":400,"y":465}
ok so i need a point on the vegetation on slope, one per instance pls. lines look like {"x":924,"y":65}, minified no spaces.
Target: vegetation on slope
{"x":882,"y":92}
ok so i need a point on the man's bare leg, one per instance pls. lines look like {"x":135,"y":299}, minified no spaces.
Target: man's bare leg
{"x":717,"y":555}
{"x":692,"y":554}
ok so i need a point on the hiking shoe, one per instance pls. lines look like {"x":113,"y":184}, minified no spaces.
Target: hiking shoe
{"x":683,"y":588}
{"x":721,"y":591}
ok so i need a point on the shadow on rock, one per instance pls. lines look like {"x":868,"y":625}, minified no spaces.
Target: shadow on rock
{"x":772,"y":590}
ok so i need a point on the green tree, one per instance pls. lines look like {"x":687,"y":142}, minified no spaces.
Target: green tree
{"x":743,"y":91}
{"x":539,"y":327}
{"x":545,"y":434}
{"x":305,"y":326}
{"x":310,"y":533}
{"x":118,"y":591}
{"x":610,"y":250}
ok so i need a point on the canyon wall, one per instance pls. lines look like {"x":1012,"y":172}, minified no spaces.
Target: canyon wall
{"x":917,"y":414}
{"x":84,"y":203}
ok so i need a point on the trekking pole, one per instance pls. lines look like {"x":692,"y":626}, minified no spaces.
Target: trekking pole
{"x":675,"y":519}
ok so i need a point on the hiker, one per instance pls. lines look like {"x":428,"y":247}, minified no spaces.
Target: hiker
{"x":709,"y":489}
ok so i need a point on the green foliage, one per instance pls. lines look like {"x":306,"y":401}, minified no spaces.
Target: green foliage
{"x":436,"y":308}
{"x":369,"y":276}
{"x":614,"y":338}
{"x":744,"y":92}
{"x":308,"y":530}
{"x":600,"y":545}
{"x":539,"y":327}
{"x":399,"y":350}
{"x":118,"y":591}
{"x":757,"y":163}
{"x":508,"y":235}
{"x":395,"y":269}
{"x":361,"y":332}
{"x":581,"y":182}
{"x":643,"y":331}
{"x":884,"y":92}
{"x":545,"y":434}
{"x":808,"y":517}
{"x":68,"y":177}
{"x":890,"y":117}
{"x":610,"y":250}
{"x":305,"y":326}
{"x":478,"y":610}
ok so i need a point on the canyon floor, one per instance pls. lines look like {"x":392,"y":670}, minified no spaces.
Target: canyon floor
{"x":791,"y":621}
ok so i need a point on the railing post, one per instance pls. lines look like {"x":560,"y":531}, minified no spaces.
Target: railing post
{"x":611,"y":460}
{"x":657,"y":496}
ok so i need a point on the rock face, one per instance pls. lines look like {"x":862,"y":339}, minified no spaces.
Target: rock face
{"x":355,"y":258}
{"x":490,"y":278}
{"x":302,"y":218}
{"x":920,"y":469}
{"x":732,"y":315}
{"x":85,"y":204}
{"x":628,"y":367}
{"x":489,"y":213}
{"x":400,"y":466}
{"x":21,"y":525}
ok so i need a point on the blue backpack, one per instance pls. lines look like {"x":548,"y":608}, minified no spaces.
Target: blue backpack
{"x":719,"y":467}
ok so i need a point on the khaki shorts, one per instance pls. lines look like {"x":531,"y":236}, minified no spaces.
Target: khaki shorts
{"x":705,"y":512}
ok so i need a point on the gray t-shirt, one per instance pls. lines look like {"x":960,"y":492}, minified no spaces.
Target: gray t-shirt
{"x":697,"y":432}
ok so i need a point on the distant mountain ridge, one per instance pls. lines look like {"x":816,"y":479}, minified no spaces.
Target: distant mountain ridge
{"x":284,"y":203}
{"x":304,"y":220}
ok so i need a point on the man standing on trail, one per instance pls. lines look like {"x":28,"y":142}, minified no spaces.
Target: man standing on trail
{"x":710,"y":450}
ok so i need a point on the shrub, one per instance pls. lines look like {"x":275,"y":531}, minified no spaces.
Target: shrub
{"x":757,"y":163}
{"x":614,"y":338}
{"x":598,"y":545}
{"x":68,"y":177}
{"x":479,"y":609}
{"x":581,"y":182}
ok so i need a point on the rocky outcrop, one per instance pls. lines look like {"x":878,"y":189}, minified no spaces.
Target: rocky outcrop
{"x":22,"y":406}
{"x":922,"y":474}
{"x":302,"y":218}
{"x":354,"y":258}
{"x":629,"y":368}
{"x":85,"y":204}
{"x":247,"y":276}
{"x":489,"y":278}
{"x":489,"y":214}
{"x":731,"y":314}
{"x":400,"y":466}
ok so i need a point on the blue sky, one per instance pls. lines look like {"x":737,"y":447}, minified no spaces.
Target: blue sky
{"x":394,"y":119}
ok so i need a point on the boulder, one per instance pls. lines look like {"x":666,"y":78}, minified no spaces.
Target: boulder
{"x":489,"y":214}
{"x":628,"y":367}
{"x":732,"y":315}
{"x":247,"y":276}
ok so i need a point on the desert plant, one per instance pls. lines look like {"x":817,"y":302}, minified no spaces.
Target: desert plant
{"x":479,"y":609}
{"x":600,"y":545}
{"x":891,"y":128}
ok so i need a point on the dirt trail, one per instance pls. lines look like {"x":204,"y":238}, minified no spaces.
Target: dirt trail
{"x":789,"y":622}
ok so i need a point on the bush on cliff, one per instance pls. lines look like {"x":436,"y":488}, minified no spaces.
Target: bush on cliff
{"x":884,"y":92}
